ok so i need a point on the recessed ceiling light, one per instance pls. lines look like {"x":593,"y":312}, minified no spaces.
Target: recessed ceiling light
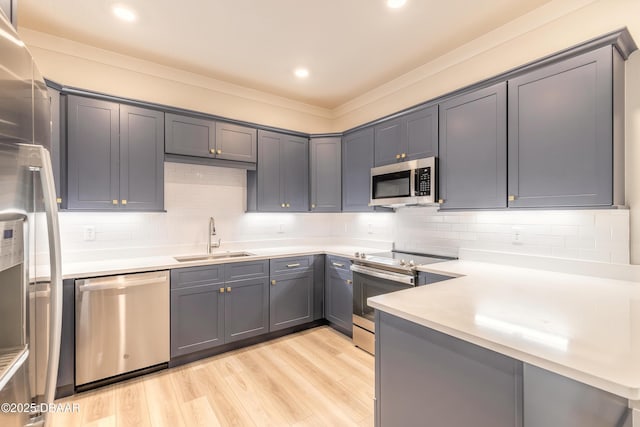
{"x":125,"y":13}
{"x":301,"y":73}
{"x":395,"y":4}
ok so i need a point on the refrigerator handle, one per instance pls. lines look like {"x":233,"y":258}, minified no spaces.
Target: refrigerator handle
{"x":55,"y":312}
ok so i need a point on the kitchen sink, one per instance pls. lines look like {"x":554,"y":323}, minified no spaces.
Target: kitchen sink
{"x":214,"y":256}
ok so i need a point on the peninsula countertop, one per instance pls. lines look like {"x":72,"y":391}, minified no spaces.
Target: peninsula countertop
{"x":582,"y":327}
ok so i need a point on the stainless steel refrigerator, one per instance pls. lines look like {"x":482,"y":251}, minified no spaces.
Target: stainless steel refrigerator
{"x":30,"y":278}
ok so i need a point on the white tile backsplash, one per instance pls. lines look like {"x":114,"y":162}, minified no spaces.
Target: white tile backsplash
{"x":595,"y":235}
{"x":193,"y":193}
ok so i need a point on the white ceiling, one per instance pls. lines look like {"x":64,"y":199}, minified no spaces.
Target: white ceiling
{"x":349,"y":46}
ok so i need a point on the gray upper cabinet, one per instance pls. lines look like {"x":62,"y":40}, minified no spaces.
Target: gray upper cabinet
{"x":388,"y":136}
{"x":283,"y":173}
{"x":408,"y":137}
{"x":114,"y":156}
{"x":326,"y":174}
{"x":190,"y":136}
{"x":560,"y":133}
{"x":93,"y":150}
{"x":141,"y":158}
{"x":473,"y":149}
{"x":357,"y":161}
{"x":197,"y":137}
{"x":422,"y":133}
{"x":235,"y":142}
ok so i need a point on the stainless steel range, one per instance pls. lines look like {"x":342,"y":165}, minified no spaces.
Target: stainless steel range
{"x":382,"y":273}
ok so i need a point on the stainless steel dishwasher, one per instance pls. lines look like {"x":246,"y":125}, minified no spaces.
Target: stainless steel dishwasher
{"x":122,"y":324}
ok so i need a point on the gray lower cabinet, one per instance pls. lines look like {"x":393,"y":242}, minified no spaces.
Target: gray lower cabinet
{"x":325,"y":156}
{"x":198,"y":137}
{"x":561,"y":133}
{"x":114,"y":156}
{"x":338,"y":293}
{"x":408,"y":137}
{"x":218,"y":304}
{"x":291,"y":292}
{"x":283,"y":173}
{"x":554,"y":400}
{"x":357,"y":161}
{"x":424,"y":377}
{"x":197,"y":309}
{"x":246,"y":308}
{"x":473,"y":150}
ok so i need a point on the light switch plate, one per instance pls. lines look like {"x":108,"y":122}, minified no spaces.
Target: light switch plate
{"x":89,"y":233}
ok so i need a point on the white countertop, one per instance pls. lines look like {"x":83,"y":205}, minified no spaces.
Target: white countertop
{"x":585,"y":328}
{"x":78,"y":270}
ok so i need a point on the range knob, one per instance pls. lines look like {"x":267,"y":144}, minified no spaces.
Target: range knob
{"x":357,"y":254}
{"x":362,"y":255}
{"x":411,"y":263}
{"x":402,"y":262}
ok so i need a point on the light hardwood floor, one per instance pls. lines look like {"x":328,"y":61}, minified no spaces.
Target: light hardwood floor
{"x":311,"y":378}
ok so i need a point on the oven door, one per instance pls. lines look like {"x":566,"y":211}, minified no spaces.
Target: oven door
{"x":370,"y":282}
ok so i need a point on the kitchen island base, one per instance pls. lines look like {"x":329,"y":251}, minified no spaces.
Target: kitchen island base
{"x":425,"y":377}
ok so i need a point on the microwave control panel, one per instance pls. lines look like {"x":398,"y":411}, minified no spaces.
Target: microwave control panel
{"x":423,"y":181}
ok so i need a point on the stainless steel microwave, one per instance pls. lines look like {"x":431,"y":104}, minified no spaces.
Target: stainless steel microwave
{"x":406,"y":183}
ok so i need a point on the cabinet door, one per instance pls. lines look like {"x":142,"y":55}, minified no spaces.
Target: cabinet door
{"x":197,"y":318}
{"x":421,"y":133}
{"x":424,"y":377}
{"x":246,"y":309}
{"x":235,"y":142}
{"x":141,"y":159}
{"x":270,"y":184}
{"x":326,"y":174}
{"x":295,"y":173}
{"x":339,"y":295}
{"x":290,"y":300}
{"x":561,"y":134}
{"x":553,"y":400}
{"x":473,"y":149}
{"x":357,"y":161}
{"x":93,"y":154}
{"x":389,"y":138}
{"x":190,"y":136}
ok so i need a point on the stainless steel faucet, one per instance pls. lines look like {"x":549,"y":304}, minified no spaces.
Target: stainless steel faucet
{"x":212,"y":232}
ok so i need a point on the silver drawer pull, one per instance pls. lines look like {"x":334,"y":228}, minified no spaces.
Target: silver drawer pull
{"x":293,"y":265}
{"x":337,"y":264}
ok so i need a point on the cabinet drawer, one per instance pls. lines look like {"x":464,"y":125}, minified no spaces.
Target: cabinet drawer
{"x":246,"y":270}
{"x":194,"y":276}
{"x":289,"y":265}
{"x":339,"y":263}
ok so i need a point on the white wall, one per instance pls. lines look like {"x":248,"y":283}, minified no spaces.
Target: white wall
{"x":593,"y":235}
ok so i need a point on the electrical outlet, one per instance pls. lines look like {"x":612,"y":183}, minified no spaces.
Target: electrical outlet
{"x":517,"y":236}
{"x":89,"y":233}
{"x":370,"y":228}
{"x":280,"y":228}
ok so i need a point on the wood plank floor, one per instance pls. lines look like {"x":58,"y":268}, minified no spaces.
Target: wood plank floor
{"x":311,"y":378}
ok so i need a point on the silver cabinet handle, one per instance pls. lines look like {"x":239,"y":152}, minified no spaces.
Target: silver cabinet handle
{"x":337,"y":264}
{"x":293,"y":265}
{"x":349,"y":282}
{"x":119,"y":284}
